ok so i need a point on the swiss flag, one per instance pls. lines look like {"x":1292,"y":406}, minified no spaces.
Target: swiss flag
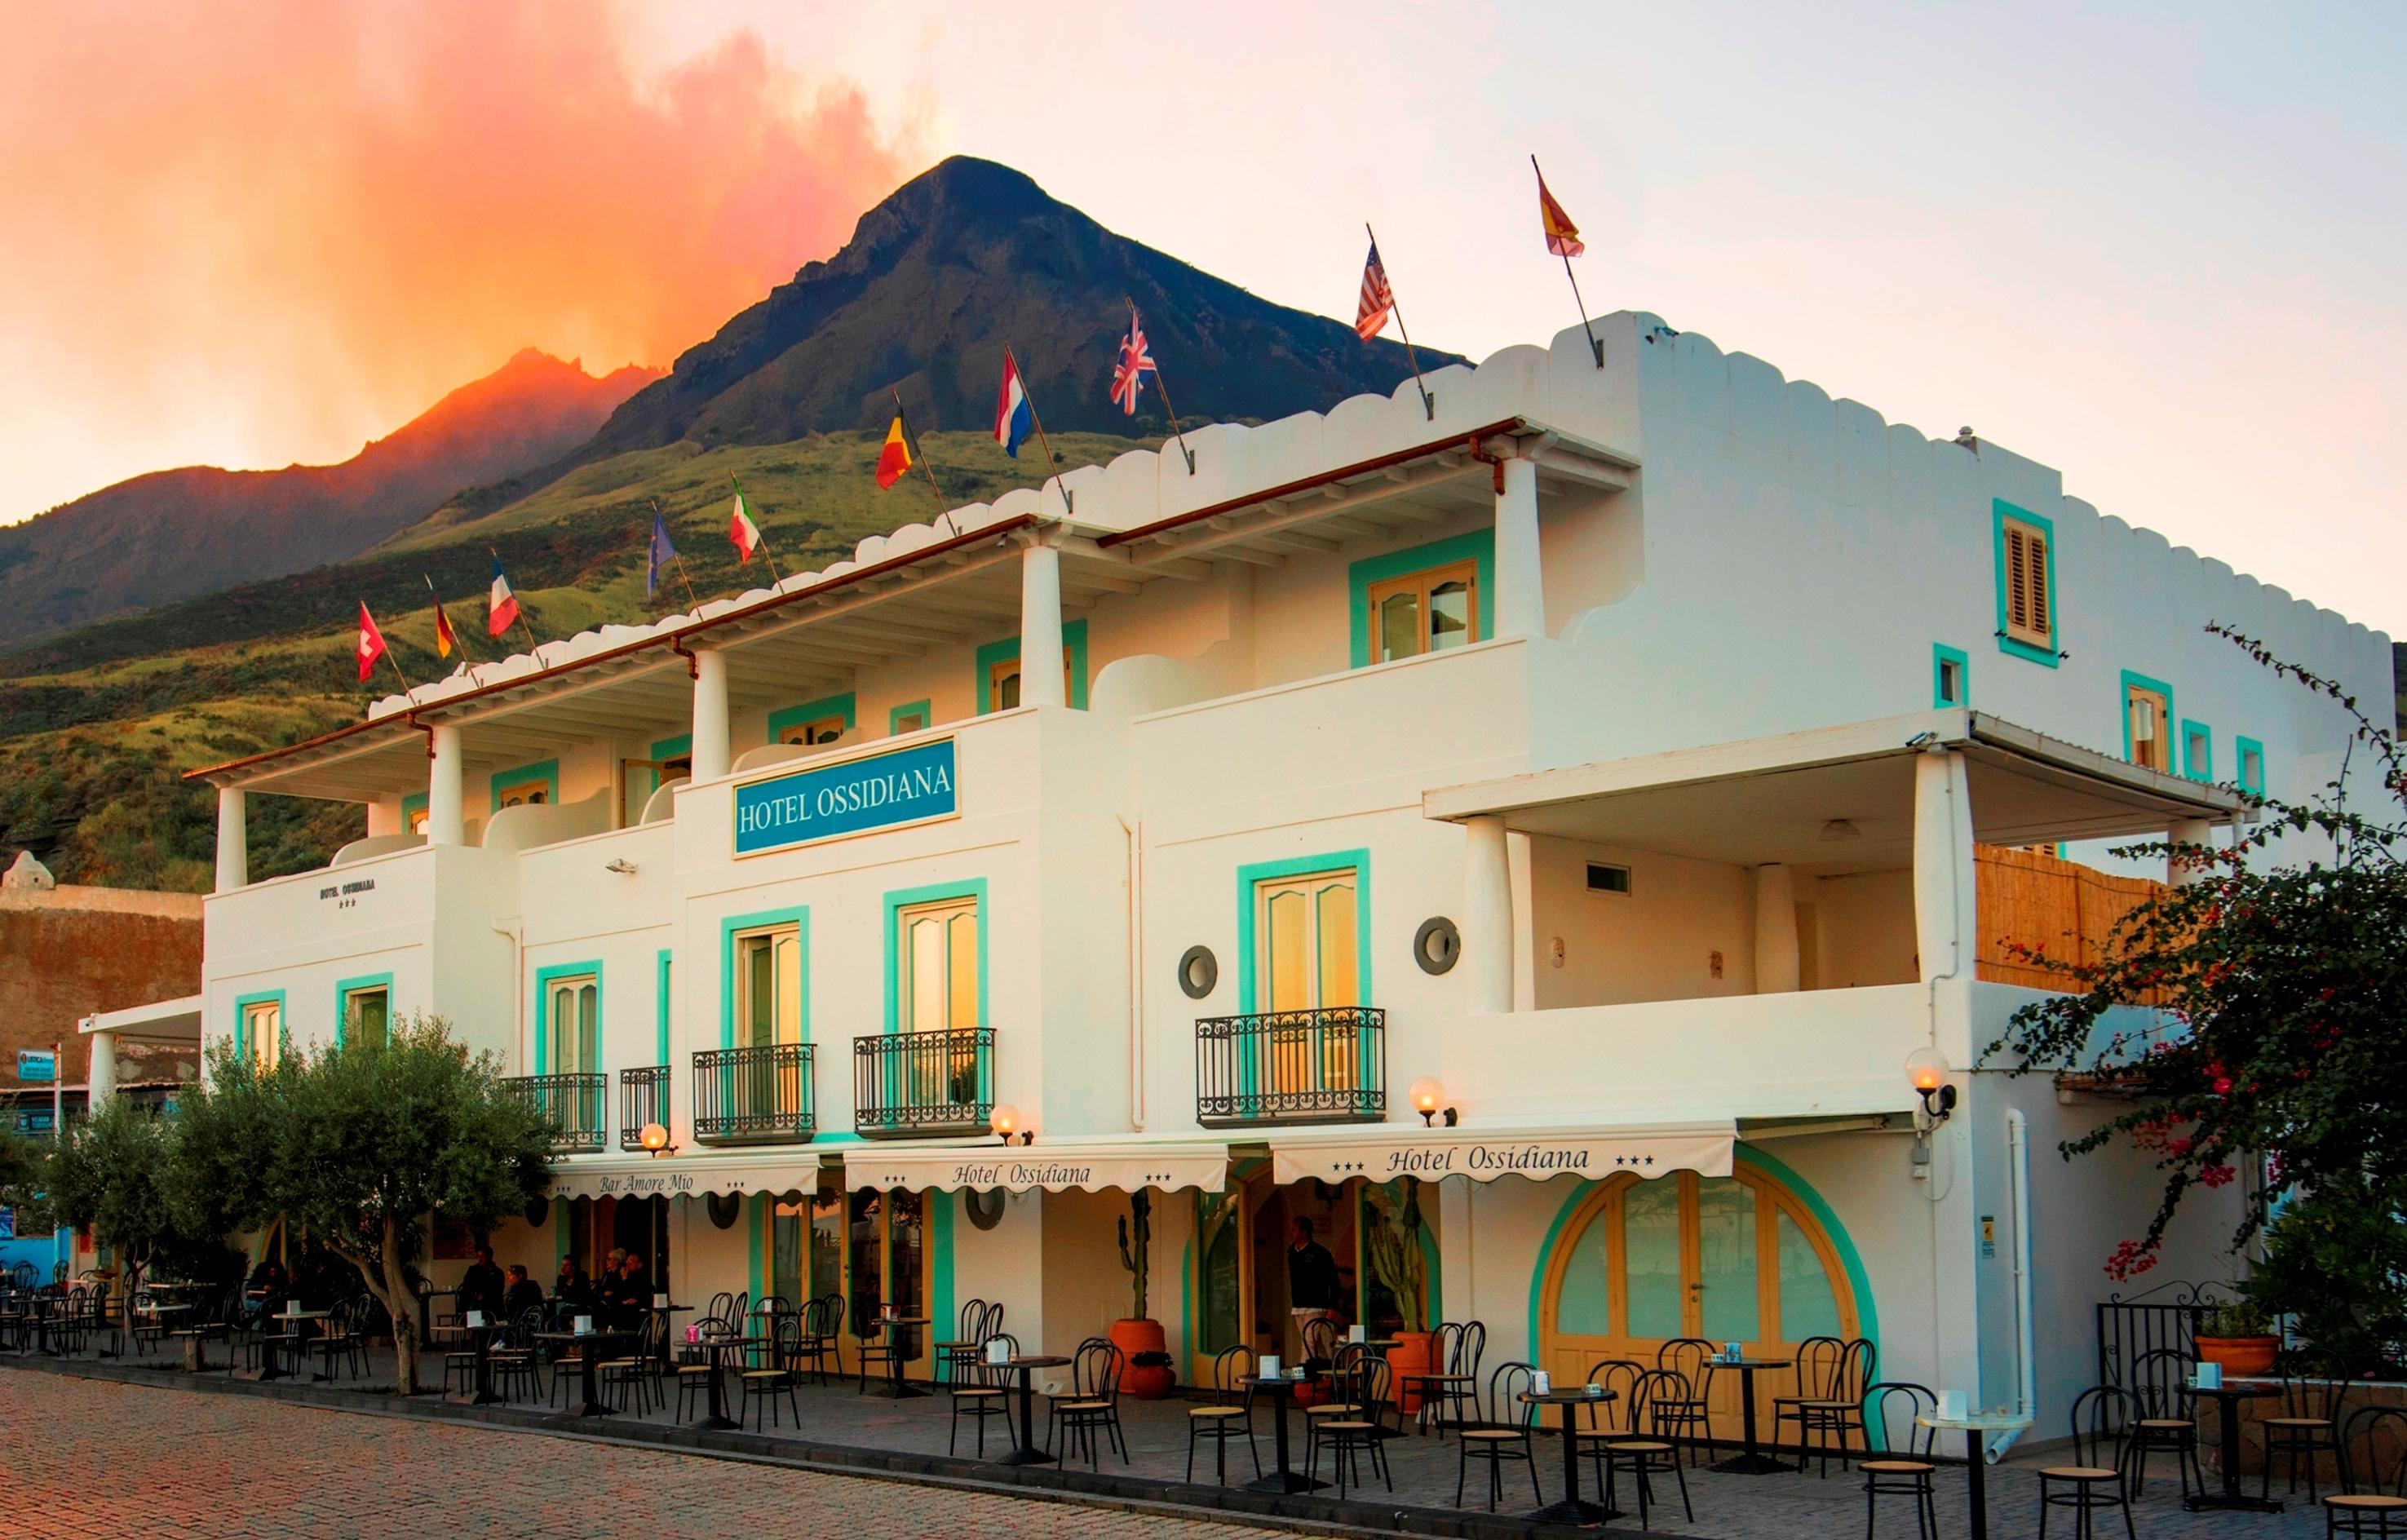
{"x":371,"y":643}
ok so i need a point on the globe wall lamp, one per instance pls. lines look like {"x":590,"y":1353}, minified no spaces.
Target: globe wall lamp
{"x":1004,"y":1121}
{"x":1426,"y":1096}
{"x":654,"y":1137}
{"x":1926,"y":1070}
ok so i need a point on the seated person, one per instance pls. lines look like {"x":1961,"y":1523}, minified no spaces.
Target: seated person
{"x":572,"y":1291}
{"x":521,"y":1294}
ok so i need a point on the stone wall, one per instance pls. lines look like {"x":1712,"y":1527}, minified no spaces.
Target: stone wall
{"x":70,"y":952}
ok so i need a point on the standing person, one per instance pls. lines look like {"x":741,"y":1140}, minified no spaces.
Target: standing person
{"x":481,"y":1286}
{"x":1311,"y":1292}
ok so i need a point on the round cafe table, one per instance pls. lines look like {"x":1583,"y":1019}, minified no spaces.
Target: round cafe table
{"x":2226,"y":1398}
{"x":1976,"y":1462}
{"x":480,"y":1338}
{"x":588,"y":1353}
{"x":715,"y":1348}
{"x":1026,"y":1452}
{"x":896,"y":1328}
{"x":1281,"y":1390}
{"x":1749,"y":1460}
{"x":1571,"y":1509}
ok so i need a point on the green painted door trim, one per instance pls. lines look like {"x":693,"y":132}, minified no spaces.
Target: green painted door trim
{"x":1942,"y":655}
{"x":345,"y":987}
{"x":414,"y":803}
{"x":826,"y":705}
{"x":668,"y":748}
{"x":661,"y":1004}
{"x":764,"y":919}
{"x":2000,"y":511}
{"x":2123,"y":706}
{"x":2201,"y":765}
{"x":1478,"y":547}
{"x":1074,"y":637}
{"x":939,"y":1207}
{"x":903,"y":898}
{"x":544,"y":980}
{"x":764,"y":1211}
{"x":926,"y":712}
{"x":242,"y":1004}
{"x":1255,"y":873}
{"x":2240,"y":750}
{"x":545,"y":771}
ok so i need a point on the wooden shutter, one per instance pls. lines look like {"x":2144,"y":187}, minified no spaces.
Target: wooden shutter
{"x":2030,"y":605}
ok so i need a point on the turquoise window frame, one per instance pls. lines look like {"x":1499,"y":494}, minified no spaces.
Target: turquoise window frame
{"x":668,"y":748}
{"x":661,"y":1003}
{"x":242,"y":1004}
{"x":545,"y":771}
{"x":414,"y":803}
{"x":2123,"y":706}
{"x":344,"y":988}
{"x":2000,"y":511}
{"x":1941,"y":656}
{"x":1478,"y":547}
{"x":1074,"y":637}
{"x":894,"y":715}
{"x":891,"y":906}
{"x":809,"y":711}
{"x":764,"y":919}
{"x":2241,"y":749}
{"x":544,"y":980}
{"x":2199,"y":766}
{"x":1252,"y":875}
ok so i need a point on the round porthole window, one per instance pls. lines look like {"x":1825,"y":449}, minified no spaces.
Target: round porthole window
{"x":1198,"y":972}
{"x":985,"y":1210}
{"x":725,"y":1208}
{"x":1436,"y":944}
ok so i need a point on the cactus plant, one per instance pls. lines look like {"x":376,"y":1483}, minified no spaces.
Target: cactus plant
{"x":1136,"y":1244}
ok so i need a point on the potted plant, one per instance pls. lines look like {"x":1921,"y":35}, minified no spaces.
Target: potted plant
{"x":2240,"y":1337}
{"x":1147,"y":1375}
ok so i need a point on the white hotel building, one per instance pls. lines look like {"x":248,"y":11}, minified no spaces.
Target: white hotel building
{"x":1622,"y":750}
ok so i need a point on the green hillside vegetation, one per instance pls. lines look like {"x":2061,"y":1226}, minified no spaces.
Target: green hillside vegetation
{"x":97,"y":726}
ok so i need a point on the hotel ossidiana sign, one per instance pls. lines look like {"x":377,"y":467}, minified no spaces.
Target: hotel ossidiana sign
{"x":913,"y":785}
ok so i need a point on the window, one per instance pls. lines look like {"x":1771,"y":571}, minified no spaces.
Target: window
{"x":822,"y":730}
{"x":1003,"y":681}
{"x":2197,"y":751}
{"x":813,"y":722}
{"x":2148,"y":724}
{"x":1426,"y":611}
{"x":529,"y":785}
{"x":1606,"y":878}
{"x":2251,"y":755}
{"x":908,"y":718}
{"x":936,"y":987}
{"x":263,"y":1032}
{"x":2026,"y":560}
{"x":769,"y":987}
{"x":572,"y":1009}
{"x":367,"y":1014}
{"x":413,"y":814}
{"x":1950,"y":678}
{"x":995,"y":683}
{"x":1308,"y":941}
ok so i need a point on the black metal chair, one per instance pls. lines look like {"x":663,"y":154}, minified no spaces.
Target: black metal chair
{"x":2161,"y":1420}
{"x":822,"y":1320}
{"x":1427,"y":1386}
{"x":1906,"y":1468}
{"x":1815,"y":1367}
{"x":2309,"y":1425}
{"x":1229,"y":1413}
{"x":2371,"y":1502}
{"x":2099,"y":1476}
{"x":952,"y":1356}
{"x":1659,"y":1405}
{"x":694,"y":1371}
{"x":1092,"y":1406}
{"x":1348,"y":1436}
{"x":518,"y":1359}
{"x":1829,"y":1427}
{"x":1452,"y":1392}
{"x":980,"y":1389}
{"x":1690,"y":1423}
{"x":1498,"y":1433}
{"x":638,"y":1370}
{"x":774,"y":1375}
{"x":1608,"y":1420}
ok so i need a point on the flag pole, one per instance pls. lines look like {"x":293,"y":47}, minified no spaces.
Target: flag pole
{"x":532,"y":646}
{"x":409,"y":690}
{"x":1046,"y":444}
{"x":677,"y":559}
{"x":910,"y":441}
{"x":1429,"y":402}
{"x":1162,"y":383}
{"x":1594,"y":347}
{"x":766,"y":555}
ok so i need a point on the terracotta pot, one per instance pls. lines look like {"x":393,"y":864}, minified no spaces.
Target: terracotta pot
{"x":1412,"y":1354}
{"x":2246,"y":1357}
{"x":1146,"y":1382}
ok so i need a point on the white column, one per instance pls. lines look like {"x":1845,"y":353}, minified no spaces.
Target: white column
{"x":2189,"y":832}
{"x":1520,"y":584}
{"x":1775,"y":930}
{"x":1946,"y":932}
{"x":444,"y":826}
{"x":100,"y":1080}
{"x":1486,"y":923}
{"x":233,"y":840}
{"x":710,"y":756}
{"x":1040,"y":627}
{"x":384,"y":817}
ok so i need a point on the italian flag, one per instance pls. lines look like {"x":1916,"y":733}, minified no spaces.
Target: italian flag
{"x":743,"y":531}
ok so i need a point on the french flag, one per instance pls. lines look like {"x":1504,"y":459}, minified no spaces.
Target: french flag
{"x":1013,"y":415}
{"x":501,"y":605}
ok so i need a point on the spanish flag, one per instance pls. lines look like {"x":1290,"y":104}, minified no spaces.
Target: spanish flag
{"x":895,"y":460}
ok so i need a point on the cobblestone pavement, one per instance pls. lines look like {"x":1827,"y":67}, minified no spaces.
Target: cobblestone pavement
{"x":89,"y":1457}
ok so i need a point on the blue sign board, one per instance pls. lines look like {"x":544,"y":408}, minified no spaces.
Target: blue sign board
{"x":880,"y":791}
{"x":37,"y":1065}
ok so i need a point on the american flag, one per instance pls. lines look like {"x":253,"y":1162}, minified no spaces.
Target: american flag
{"x":1377,"y":298}
{"x":1136,"y":362}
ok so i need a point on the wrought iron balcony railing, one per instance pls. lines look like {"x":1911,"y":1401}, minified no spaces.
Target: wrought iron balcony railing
{"x":643,"y":1098}
{"x":571,"y":1103}
{"x":754,"y":1096}
{"x":1307,"y":1066}
{"x":910,"y":1083}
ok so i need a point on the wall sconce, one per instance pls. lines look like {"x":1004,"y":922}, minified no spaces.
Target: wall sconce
{"x":1004,"y":1121}
{"x":1425,"y":1094}
{"x":622,"y":866}
{"x":1926,"y":1070}
{"x":655,"y":1140}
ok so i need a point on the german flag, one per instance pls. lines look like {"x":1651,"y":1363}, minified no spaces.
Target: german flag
{"x":894,"y":461}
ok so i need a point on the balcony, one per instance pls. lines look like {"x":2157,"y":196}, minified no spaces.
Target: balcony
{"x":754,"y":1096}
{"x":1284,"y":1067}
{"x":907,"y":1084}
{"x":571,"y":1103}
{"x":643,"y":1099}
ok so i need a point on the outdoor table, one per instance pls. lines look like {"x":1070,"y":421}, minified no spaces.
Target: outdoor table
{"x":268,"y":1369}
{"x":588,"y":1353}
{"x":481,"y":1339}
{"x":2226,"y":1398}
{"x":1749,"y":1461}
{"x":1281,"y":1390}
{"x":895,"y":1328}
{"x":1571,"y":1510}
{"x":1976,"y":1462}
{"x":425,"y":1326}
{"x":158,"y":1310}
{"x":664,"y":1312}
{"x":1026,"y":1452}
{"x":711,"y":1348}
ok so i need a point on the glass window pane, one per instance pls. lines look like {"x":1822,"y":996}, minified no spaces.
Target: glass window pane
{"x":1449,"y":615}
{"x":1007,"y":691}
{"x":905,"y":1248}
{"x":866,"y":1279}
{"x":786,"y":1252}
{"x":1585,"y":1306}
{"x":1726,"y":1259}
{"x":1808,"y":1305}
{"x":1284,"y":967}
{"x":925,"y":977}
{"x":1400,"y":628}
{"x":1650,"y":1232}
{"x":588,"y":1029}
{"x":1335,"y":907}
{"x":761,"y":992}
{"x":963,"y":965}
{"x":826,"y":1242}
{"x":1219,"y":1317}
{"x":788,"y":954}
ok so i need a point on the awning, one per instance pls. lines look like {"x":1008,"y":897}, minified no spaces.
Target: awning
{"x":687,"y":1177}
{"x":1385,"y":1153}
{"x":1125,"y":1165}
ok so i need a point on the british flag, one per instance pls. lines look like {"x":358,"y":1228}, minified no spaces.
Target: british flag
{"x":1377,"y":298}
{"x":1136,"y":362}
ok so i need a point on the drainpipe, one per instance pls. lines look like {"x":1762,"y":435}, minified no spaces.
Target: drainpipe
{"x":2025,"y":1360}
{"x":1134,"y":834}
{"x":515,"y":934}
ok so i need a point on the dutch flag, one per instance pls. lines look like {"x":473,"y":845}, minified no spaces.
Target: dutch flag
{"x":1013,"y":415}
{"x":501,"y":605}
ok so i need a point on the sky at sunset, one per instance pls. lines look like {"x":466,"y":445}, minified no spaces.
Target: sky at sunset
{"x":2158,"y":248}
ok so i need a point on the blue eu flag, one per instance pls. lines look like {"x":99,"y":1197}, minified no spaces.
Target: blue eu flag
{"x":660,"y":555}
